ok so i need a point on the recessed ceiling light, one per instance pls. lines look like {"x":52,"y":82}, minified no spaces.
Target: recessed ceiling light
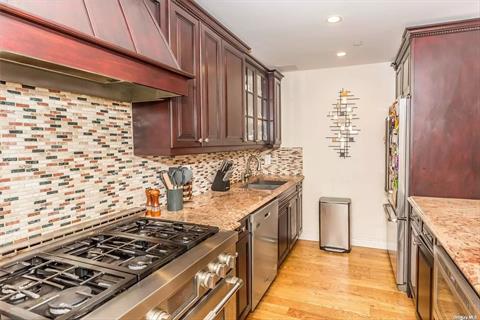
{"x":341,"y":54}
{"x":358,"y":43}
{"x":334,"y":19}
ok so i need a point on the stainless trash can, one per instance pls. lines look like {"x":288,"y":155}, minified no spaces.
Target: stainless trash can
{"x":334,"y":219}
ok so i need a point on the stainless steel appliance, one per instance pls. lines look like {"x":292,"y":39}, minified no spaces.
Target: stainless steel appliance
{"x":453,"y":297}
{"x":264,"y":226}
{"x":415,"y":229}
{"x":135,"y":268}
{"x":397,"y":135}
{"x":335,"y":224}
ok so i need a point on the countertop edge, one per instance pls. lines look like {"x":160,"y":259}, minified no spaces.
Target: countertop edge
{"x":433,"y":228}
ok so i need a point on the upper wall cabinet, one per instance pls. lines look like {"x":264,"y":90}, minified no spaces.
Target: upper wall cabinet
{"x":231,"y":102}
{"x":438,"y":66}
{"x":275,"y":108}
{"x":186,"y":110}
{"x":257,"y":113}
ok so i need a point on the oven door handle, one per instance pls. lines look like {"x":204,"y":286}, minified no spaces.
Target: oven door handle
{"x":237,"y":284}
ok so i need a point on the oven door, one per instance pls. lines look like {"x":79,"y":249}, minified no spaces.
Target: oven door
{"x":453,"y":297}
{"x":218,"y":303}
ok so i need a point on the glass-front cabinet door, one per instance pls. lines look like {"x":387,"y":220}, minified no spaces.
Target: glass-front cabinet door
{"x":256,"y":105}
{"x":250,"y":104}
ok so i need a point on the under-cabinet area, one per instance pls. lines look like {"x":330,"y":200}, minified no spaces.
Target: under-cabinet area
{"x":239,"y":160}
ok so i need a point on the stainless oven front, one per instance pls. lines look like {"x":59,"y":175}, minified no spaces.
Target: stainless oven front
{"x":219,"y":303}
{"x":453,"y":297}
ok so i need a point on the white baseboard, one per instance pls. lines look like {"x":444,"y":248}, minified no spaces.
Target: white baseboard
{"x":355,"y":242}
{"x":369,"y":243}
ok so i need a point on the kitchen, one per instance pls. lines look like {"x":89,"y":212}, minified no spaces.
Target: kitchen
{"x":163,"y":159}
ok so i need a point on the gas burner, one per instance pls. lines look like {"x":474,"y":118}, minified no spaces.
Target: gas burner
{"x":52,"y":287}
{"x":183,"y":234}
{"x":139,"y":263}
{"x":21,"y":290}
{"x":94,"y":252}
{"x":70,"y":298}
{"x":125,"y":253}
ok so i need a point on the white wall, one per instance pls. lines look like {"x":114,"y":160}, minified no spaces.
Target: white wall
{"x":307,"y":98}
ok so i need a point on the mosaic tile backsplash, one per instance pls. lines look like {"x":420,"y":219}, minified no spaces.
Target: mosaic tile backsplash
{"x":67,"y":158}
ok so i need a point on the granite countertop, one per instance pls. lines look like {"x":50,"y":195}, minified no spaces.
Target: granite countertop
{"x":456,"y":225}
{"x":226,"y":209}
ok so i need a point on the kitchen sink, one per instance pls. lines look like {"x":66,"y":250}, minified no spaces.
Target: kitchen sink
{"x":265,"y":184}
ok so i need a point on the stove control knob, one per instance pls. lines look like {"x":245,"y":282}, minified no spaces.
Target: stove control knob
{"x":156,"y":314}
{"x":207,"y":279}
{"x":220,"y":269}
{"x":228,"y":259}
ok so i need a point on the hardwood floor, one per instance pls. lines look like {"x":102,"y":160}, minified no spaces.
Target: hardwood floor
{"x":314,"y":284}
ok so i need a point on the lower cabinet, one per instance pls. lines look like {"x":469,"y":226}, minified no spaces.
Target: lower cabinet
{"x":244,"y":270}
{"x":289,"y":221}
{"x":283,"y":234}
{"x":290,"y":204}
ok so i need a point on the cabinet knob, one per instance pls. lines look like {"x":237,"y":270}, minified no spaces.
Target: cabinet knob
{"x":156,"y":314}
{"x":206,"y":140}
{"x":200,"y":140}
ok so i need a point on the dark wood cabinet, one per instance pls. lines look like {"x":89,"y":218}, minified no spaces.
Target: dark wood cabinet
{"x":233,"y":79}
{"x":289,"y":221}
{"x":402,"y":77}
{"x":256,"y":104}
{"x":299,"y":209}
{"x":293,"y":223}
{"x":283,"y":233}
{"x":186,"y":110}
{"x":275,"y":106}
{"x":438,"y":66}
{"x":211,"y":82}
{"x":243,"y":270}
{"x":232,"y":104}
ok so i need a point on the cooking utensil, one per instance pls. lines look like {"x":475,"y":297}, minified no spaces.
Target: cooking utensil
{"x":187,"y":175}
{"x":178,"y":177}
{"x":166,"y":180}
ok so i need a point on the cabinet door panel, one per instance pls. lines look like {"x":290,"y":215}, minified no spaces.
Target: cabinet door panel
{"x":212,"y":113}
{"x":233,"y":95}
{"x":186,"y":110}
{"x":293,"y":231}
{"x":243,"y":272}
{"x":283,"y":234}
{"x":277,"y":116}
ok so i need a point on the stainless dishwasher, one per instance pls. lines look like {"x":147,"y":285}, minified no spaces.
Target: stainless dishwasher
{"x":264,"y":226}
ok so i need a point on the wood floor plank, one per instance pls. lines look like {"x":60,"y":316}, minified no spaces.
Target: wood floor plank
{"x":316,"y":285}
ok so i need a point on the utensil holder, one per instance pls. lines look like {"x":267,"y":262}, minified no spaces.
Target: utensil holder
{"x":187,"y":192}
{"x":175,"y":199}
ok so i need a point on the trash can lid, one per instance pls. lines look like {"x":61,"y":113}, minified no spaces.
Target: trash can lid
{"x":335,"y":200}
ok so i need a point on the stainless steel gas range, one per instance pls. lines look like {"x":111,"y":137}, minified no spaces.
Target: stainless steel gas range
{"x":134,"y":268}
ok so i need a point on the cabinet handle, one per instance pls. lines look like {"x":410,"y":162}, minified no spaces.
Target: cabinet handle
{"x":206,"y":140}
{"x":200,"y":140}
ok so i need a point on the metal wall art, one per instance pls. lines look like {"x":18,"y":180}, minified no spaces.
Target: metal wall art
{"x":342,"y":127}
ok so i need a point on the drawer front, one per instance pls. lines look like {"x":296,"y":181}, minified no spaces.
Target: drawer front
{"x":428,"y":237}
{"x":416,"y":220}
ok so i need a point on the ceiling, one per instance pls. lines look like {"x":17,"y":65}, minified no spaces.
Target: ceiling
{"x":294,"y":34}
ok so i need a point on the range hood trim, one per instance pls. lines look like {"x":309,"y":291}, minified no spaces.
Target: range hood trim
{"x":111,"y":69}
{"x":65,"y":30}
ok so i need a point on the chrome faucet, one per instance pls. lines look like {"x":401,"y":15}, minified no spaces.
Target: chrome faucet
{"x":248,"y":172}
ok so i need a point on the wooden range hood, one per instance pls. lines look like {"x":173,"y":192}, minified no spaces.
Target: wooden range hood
{"x":112,"y":49}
